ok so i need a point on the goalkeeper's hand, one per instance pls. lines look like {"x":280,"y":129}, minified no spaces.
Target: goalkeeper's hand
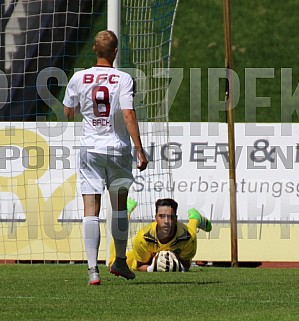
{"x":165,"y":261}
{"x":153,"y":266}
{"x":174,"y":263}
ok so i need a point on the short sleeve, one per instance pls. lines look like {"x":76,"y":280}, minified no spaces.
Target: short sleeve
{"x":126,"y":92}
{"x":71,"y":98}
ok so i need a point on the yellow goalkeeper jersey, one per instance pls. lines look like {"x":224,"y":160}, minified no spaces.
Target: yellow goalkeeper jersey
{"x":146,"y":244}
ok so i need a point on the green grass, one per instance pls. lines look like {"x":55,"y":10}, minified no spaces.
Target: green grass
{"x":264,"y":35}
{"x":60,"y":292}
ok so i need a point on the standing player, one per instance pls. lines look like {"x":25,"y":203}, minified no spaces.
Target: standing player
{"x":104,"y":96}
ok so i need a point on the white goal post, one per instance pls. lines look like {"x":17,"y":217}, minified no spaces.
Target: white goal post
{"x":145,"y":33}
{"x":41,"y":47}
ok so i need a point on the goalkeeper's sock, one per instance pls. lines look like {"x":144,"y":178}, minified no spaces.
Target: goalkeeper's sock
{"x":91,"y":237}
{"x":119,"y":231}
{"x":131,"y":205}
{"x":202,"y":222}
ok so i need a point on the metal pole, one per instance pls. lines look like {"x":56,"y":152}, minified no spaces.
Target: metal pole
{"x":231,"y":134}
{"x":2,"y":36}
{"x":113,"y":24}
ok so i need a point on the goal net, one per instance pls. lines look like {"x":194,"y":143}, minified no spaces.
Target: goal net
{"x":42,"y":44}
{"x":146,"y":32}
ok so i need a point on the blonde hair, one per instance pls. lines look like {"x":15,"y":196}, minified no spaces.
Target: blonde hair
{"x":105,"y":43}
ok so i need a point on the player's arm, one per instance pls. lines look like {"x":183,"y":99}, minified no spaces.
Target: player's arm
{"x":133,"y":129}
{"x":186,"y":264}
{"x":143,"y":267}
{"x":70,"y":113}
{"x":71,"y":99}
{"x":142,"y":253}
{"x":188,"y":251}
{"x":164,"y":261}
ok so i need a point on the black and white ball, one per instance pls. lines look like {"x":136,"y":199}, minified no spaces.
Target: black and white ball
{"x":166,"y":261}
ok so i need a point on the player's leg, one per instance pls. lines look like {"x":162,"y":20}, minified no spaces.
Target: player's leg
{"x":119,"y":171}
{"x":202,"y":222}
{"x":192,"y":225}
{"x":196,"y":221}
{"x":120,"y":221}
{"x":131,"y":205}
{"x":92,"y":186}
{"x":119,"y":231}
{"x":91,"y":235}
{"x":132,"y":263}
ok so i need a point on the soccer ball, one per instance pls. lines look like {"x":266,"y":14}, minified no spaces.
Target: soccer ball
{"x":166,"y":261}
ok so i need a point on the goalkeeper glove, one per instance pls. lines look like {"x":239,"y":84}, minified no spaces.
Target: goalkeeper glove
{"x":165,"y":261}
{"x":159,"y":263}
{"x":151,"y":268}
{"x":174,"y":263}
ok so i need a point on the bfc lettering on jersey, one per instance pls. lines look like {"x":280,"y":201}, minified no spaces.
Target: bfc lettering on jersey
{"x":90,"y":78}
{"x":100,"y":96}
{"x":102,"y":93}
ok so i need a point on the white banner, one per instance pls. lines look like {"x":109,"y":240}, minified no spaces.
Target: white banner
{"x":38,"y":170}
{"x":267,"y":168}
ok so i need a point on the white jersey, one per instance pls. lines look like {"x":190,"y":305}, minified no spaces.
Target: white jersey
{"x":102,"y":93}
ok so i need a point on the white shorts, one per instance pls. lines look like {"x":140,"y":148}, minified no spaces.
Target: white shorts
{"x":97,"y":170}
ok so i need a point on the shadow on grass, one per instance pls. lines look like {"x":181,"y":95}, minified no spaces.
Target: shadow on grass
{"x":179,"y":283}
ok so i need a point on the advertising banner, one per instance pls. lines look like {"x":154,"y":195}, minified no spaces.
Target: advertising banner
{"x":38,"y":170}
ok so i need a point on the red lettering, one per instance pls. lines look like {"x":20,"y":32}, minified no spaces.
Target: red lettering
{"x":113,"y":79}
{"x":101,"y":77}
{"x":88,"y":78}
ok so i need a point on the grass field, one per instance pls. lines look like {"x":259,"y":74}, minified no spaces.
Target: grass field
{"x":60,"y":292}
{"x":264,"y":35}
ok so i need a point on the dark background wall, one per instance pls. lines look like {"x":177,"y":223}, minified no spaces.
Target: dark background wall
{"x":36,"y":35}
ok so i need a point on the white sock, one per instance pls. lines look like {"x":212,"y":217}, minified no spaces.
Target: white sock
{"x":119,"y":231}
{"x":91,"y":237}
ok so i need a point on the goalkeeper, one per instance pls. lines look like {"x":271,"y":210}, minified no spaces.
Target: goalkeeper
{"x":165,"y":245}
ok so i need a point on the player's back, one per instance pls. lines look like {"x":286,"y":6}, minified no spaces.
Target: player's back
{"x":103,"y":92}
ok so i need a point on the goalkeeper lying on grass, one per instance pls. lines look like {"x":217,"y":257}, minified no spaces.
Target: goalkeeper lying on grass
{"x":165,"y":245}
